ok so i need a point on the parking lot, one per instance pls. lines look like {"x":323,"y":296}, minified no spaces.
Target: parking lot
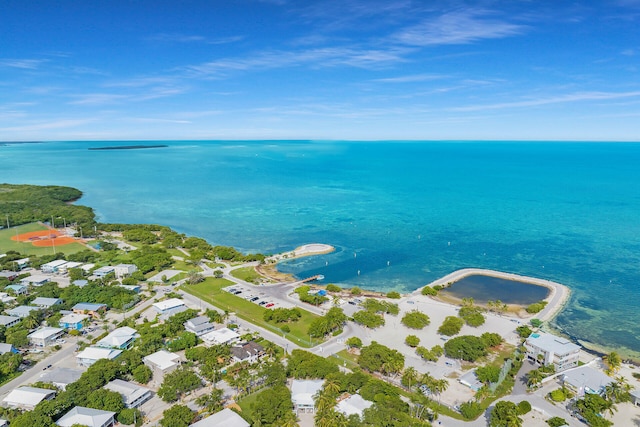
{"x":257,"y":296}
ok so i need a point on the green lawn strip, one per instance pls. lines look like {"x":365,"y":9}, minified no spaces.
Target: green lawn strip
{"x":181,"y":265}
{"x":248,"y":274}
{"x":246,"y":402}
{"x":6,"y":244}
{"x":346,"y":359}
{"x":211,"y":291}
{"x":176,"y":252}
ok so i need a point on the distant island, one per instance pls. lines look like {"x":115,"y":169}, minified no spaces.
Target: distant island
{"x":129,"y":147}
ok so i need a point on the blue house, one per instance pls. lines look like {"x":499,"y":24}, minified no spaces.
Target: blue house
{"x":73,"y":321}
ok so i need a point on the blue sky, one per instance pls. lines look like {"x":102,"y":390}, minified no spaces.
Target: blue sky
{"x":346,"y":69}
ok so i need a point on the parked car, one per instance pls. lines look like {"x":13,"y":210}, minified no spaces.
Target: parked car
{"x":254,"y":299}
{"x":262,"y":302}
{"x":270,"y":305}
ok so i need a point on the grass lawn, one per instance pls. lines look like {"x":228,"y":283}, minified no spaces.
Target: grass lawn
{"x":181,"y":265}
{"x":248,"y":274}
{"x":246,"y":402}
{"x":347,"y":359}
{"x":6,"y":244}
{"x":211,"y":291}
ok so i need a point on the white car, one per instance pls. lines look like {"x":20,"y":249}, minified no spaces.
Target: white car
{"x":60,"y":341}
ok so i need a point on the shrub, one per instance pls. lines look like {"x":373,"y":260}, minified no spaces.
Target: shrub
{"x":536,"y":323}
{"x":354,"y":342}
{"x":412,"y":341}
{"x":429,"y":291}
{"x":451,"y":326}
{"x":393,"y":295}
{"x":556,"y":422}
{"x":536,"y":307}
{"x":524,"y":407}
{"x":466,"y":347}
{"x":472,"y":316}
{"x":558,"y":395}
{"x":524,"y":331}
{"x":356,"y":291}
{"x":488,"y":374}
{"x":285,"y":328}
{"x":415,"y":320}
{"x":470,"y":410}
{"x":368,"y":319}
{"x":491,"y":339}
{"x":333,"y":288}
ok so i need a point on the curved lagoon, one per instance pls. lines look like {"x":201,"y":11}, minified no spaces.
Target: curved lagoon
{"x":487,"y":288}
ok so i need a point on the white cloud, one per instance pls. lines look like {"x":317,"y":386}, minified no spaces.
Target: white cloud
{"x":97,"y":99}
{"x":25,"y":64}
{"x":460,"y":27}
{"x":411,"y":78}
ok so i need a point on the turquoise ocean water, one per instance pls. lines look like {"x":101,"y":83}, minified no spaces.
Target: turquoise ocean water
{"x":400,"y":214}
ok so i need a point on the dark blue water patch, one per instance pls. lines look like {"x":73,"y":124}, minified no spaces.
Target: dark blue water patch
{"x":486,"y":288}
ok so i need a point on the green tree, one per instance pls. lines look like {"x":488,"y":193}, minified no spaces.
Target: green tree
{"x":213,"y":401}
{"x":465,"y":347}
{"x":177,"y":416}
{"x":177,"y":383}
{"x":129,"y":416}
{"x":429,"y":291}
{"x":415,"y":319}
{"x":488,"y":374}
{"x":368,"y":319}
{"x":105,"y":400}
{"x":556,"y":422}
{"x":354,"y":342}
{"x":613,"y":362}
{"x":505,"y":414}
{"x":412,"y":341}
{"x":273,"y":406}
{"x":142,"y":374}
{"x":451,"y":326}
{"x":409,"y":377}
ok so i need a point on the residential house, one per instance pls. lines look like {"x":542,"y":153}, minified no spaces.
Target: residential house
{"x":64,"y":268}
{"x":103,"y":271}
{"x":9,"y":275}
{"x":635,"y":396}
{"x":89,"y":417}
{"x":302,"y":394}
{"x":220,"y":336}
{"x":35,"y":280}
{"x":353,"y":404}
{"x":22,"y":311}
{"x":5,"y":298}
{"x":547,"y":349}
{"x":248,"y":352}
{"x":60,"y":377}
{"x":121,"y":338}
{"x":87,"y":268}
{"x":124,"y":270}
{"x":161,"y":363}
{"x":226,"y":418}
{"x":169,"y":307}
{"x":199,"y":325}
{"x":53,"y":266}
{"x":585,"y":380}
{"x":45,"y":336}
{"x":7,"y":348}
{"x":81,"y":283}
{"x":73,"y":321}
{"x":27,"y":397}
{"x":132,"y":395}
{"x":89,"y":308}
{"x":134,"y":288}
{"x":17,"y":289}
{"x":9,"y":321}
{"x":22,"y":263}
{"x":46,"y":302}
{"x":91,"y":355}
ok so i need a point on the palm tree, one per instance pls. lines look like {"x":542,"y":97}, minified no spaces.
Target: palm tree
{"x":534,"y":378}
{"x":613,"y":362}
{"x":324,"y":402}
{"x":410,"y":376}
{"x":332,"y":386}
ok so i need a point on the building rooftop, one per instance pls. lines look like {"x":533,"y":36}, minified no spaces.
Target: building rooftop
{"x":553,"y":344}
{"x":89,"y":306}
{"x":226,"y":418}
{"x":61,"y":376}
{"x":96,"y":353}
{"x":302,"y":391}
{"x":45,"y":332}
{"x":163,"y":359}
{"x":85,"y":417}
{"x":5,"y":320}
{"x":118,"y":337}
{"x":129,"y":392}
{"x":73,"y":318}
{"x":247,"y":350}
{"x":168,"y":304}
{"x":46,"y":302}
{"x":354,"y":404}
{"x":23,"y":310}
{"x":586,"y":379}
{"x":27,"y":397}
{"x":220,"y":336}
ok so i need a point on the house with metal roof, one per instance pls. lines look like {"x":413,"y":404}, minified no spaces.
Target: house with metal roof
{"x":248,"y":352}
{"x":35,"y":280}
{"x":124,"y":270}
{"x":199,"y":325}
{"x":586,"y":380}
{"x":9,"y":321}
{"x":302,"y":394}
{"x":161,"y":362}
{"x":60,"y":377}
{"x":73,"y":321}
{"x":220,"y":336}
{"x":121,"y":338}
{"x":169,"y":305}
{"x":132,"y":395}
{"x":45,"y":336}
{"x":91,"y":355}
{"x":89,"y":417}
{"x":353,"y":404}
{"x":226,"y":418}
{"x":52,"y":267}
{"x":103,"y":271}
{"x":89,"y":308}
{"x":46,"y":302}
{"x":7,"y":348}
{"x":17,"y":289}
{"x":22,"y":311}
{"x":27,"y":397}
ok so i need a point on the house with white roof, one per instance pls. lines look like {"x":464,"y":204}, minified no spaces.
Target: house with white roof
{"x":302,"y":394}
{"x":9,"y":275}
{"x":121,"y":338}
{"x":27,"y":397}
{"x":220,"y":336}
{"x":46,"y":302}
{"x":87,"y":267}
{"x":586,"y":380}
{"x":89,"y":417}
{"x":22,"y":263}
{"x":132,"y":395}
{"x":52,"y":267}
{"x":124,"y":270}
{"x":547,"y":349}
{"x":161,"y":362}
{"x":7,"y":348}
{"x":92,"y":309}
{"x":73,"y":321}
{"x":169,"y":306}
{"x":199,"y":325}
{"x":9,"y":321}
{"x":64,"y":268}
{"x":353,"y":404}
{"x":91,"y":355}
{"x":5,"y":298}
{"x":35,"y":280}
{"x":226,"y":418}
{"x":60,"y":377}
{"x":22,"y":311}
{"x":45,"y":336}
